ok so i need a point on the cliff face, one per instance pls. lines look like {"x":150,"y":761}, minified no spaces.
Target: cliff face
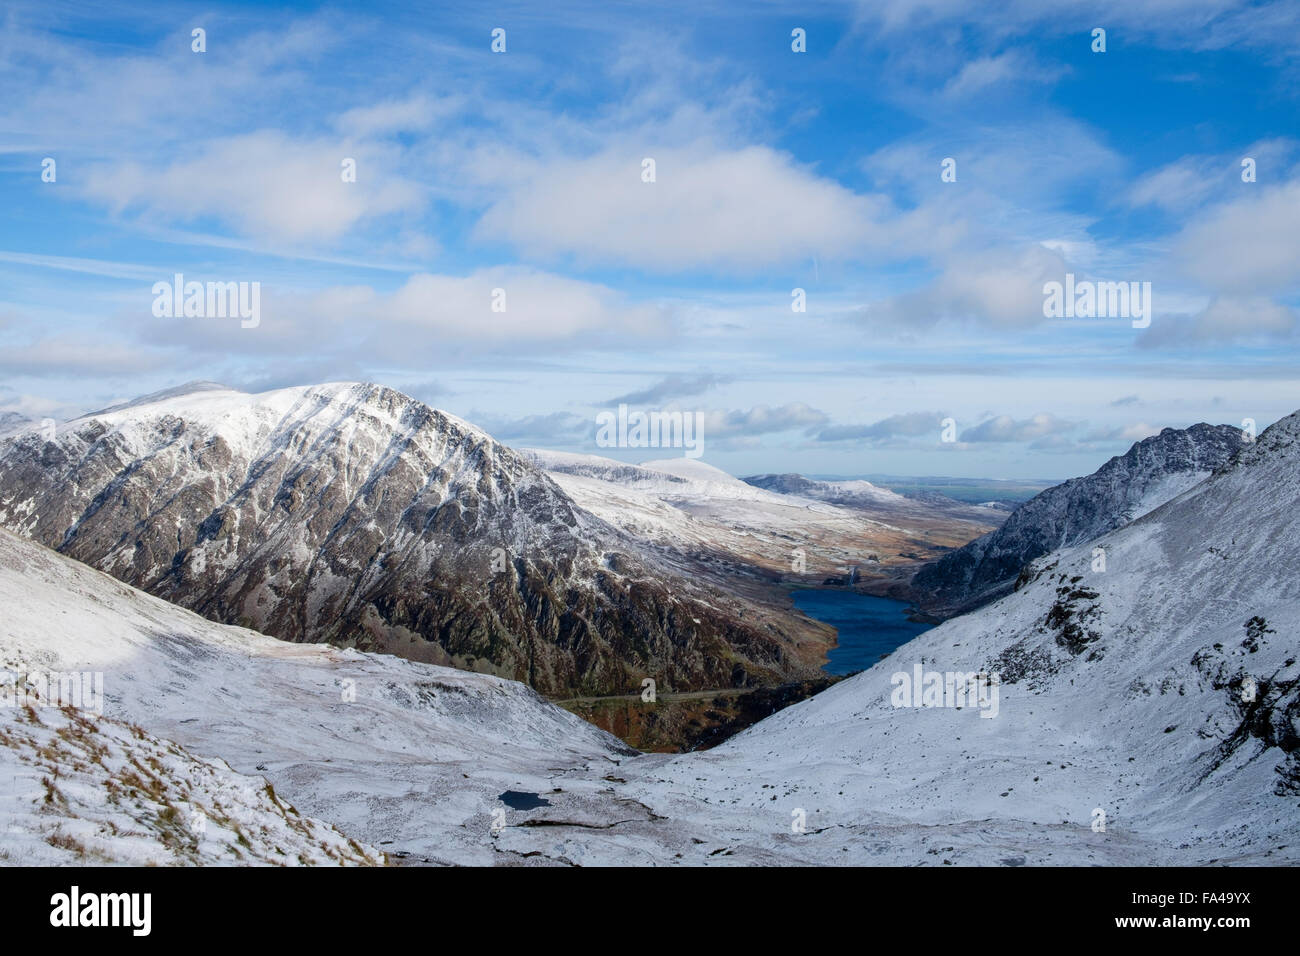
{"x":1128,"y":486}
{"x":353,"y":514}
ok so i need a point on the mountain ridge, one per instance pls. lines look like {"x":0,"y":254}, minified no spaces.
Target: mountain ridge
{"x":1125,"y":487}
{"x":352,"y":513}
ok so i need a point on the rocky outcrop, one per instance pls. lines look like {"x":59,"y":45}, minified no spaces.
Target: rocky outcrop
{"x":1128,"y":486}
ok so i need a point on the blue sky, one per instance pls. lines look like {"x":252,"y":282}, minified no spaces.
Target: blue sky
{"x":775,"y":170}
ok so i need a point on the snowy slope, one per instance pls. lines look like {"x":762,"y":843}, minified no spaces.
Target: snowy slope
{"x":77,"y":789}
{"x":700,"y":511}
{"x":1126,"y":487}
{"x":855,"y":492}
{"x":386,"y":749}
{"x":877,"y":502}
{"x":684,"y":478}
{"x":704,"y":480}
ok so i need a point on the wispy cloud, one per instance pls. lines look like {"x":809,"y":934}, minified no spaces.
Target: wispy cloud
{"x":672,"y":387}
{"x":1004,"y":428}
{"x":907,"y":425}
{"x":729,"y":209}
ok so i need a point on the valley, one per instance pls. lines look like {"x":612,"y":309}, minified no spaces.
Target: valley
{"x":353,"y":515}
{"x":1159,"y":689}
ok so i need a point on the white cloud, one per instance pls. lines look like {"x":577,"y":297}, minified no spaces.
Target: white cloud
{"x":1000,"y":287}
{"x":1249,"y":246}
{"x":416,"y":112}
{"x":1193,"y":180}
{"x":102,"y":98}
{"x":262,"y":184}
{"x":1176,"y":186}
{"x":539,"y":306}
{"x":1004,"y":428}
{"x":672,"y":387}
{"x":978,"y":75}
{"x":429,"y":315}
{"x":906,"y":425}
{"x":1012,"y":172}
{"x":552,"y":427}
{"x":708,"y":208}
{"x":1197,"y":24}
{"x":71,"y":356}
{"x":1126,"y":433}
{"x":1225,"y":319}
{"x":760,"y":420}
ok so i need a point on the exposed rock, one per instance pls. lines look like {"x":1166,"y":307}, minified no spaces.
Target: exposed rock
{"x":1128,"y":486}
{"x":353,"y":514}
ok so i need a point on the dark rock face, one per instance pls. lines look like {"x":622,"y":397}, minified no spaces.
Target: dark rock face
{"x":1153,"y":471}
{"x":356,"y":515}
{"x":846,"y":494}
{"x":691,"y":721}
{"x":1267,"y":707}
{"x":789,"y":484}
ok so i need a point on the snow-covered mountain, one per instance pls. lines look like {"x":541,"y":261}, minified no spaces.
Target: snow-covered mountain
{"x":354,"y":514}
{"x":848,"y":493}
{"x":877,"y":501}
{"x":1128,"y":486}
{"x":703,"y":514}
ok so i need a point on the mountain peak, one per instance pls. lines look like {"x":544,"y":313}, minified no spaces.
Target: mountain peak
{"x":153,"y":398}
{"x":1276,"y":442}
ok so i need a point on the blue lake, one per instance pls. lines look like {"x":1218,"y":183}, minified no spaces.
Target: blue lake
{"x":868,"y":626}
